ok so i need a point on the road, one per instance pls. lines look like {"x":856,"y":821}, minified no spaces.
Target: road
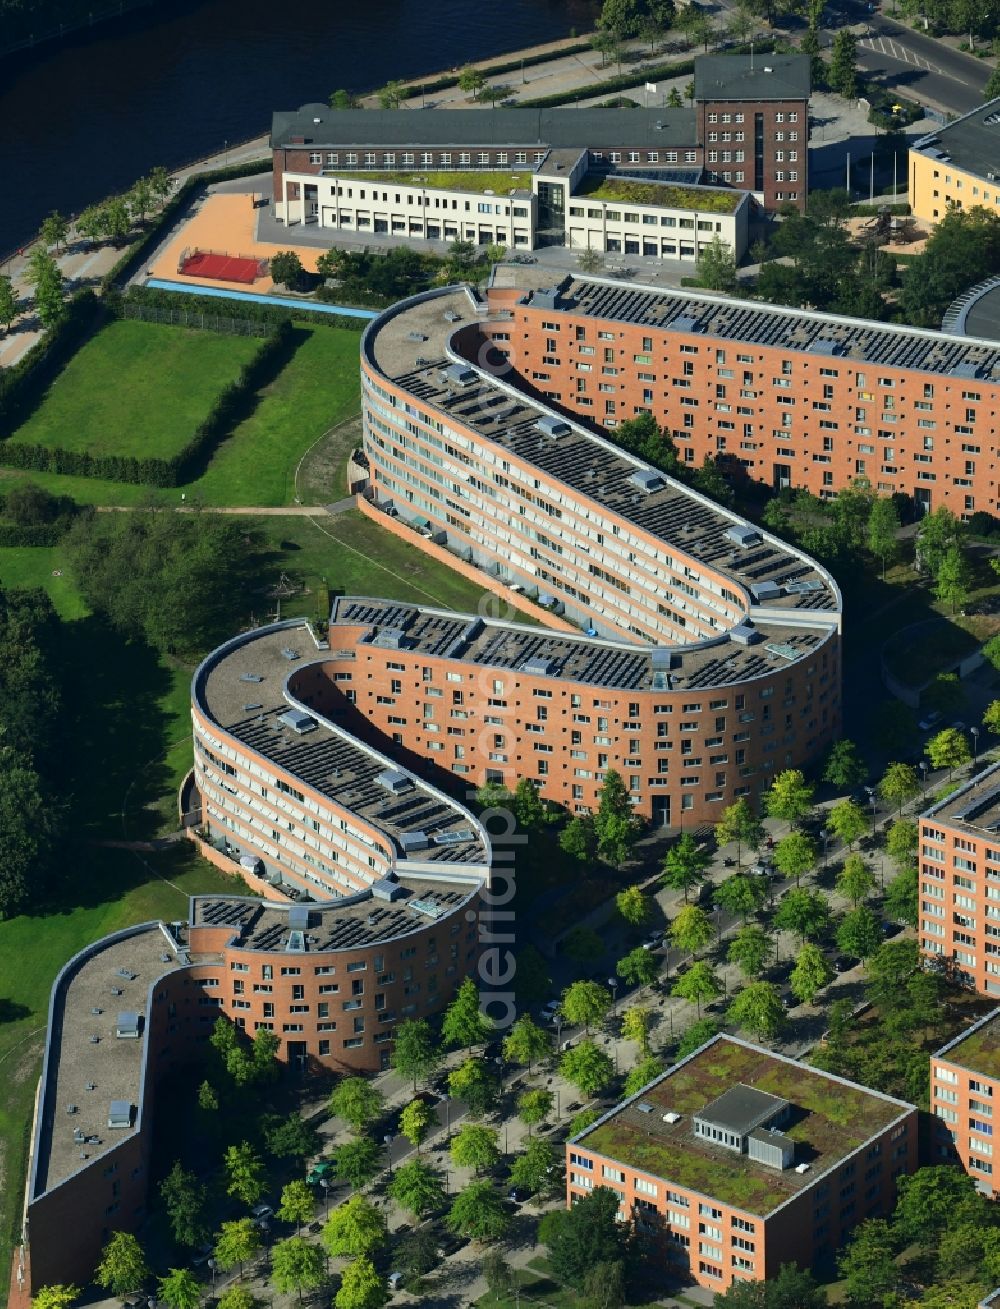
{"x":915,"y":63}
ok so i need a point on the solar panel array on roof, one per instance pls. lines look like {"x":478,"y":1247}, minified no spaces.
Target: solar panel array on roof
{"x":978,"y":805}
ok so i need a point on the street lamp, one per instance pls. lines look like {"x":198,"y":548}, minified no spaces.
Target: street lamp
{"x":923,"y":769}
{"x":213,"y":1265}
{"x":874,"y":805}
{"x":499,"y":1063}
{"x":559,"y":1027}
{"x":718,"y":924}
{"x":325,"y":1184}
{"x":975,"y":744}
{"x":613,"y":983}
{"x":387,"y":1140}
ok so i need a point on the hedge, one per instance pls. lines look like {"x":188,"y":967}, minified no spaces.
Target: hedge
{"x":21,"y":384}
{"x":188,"y":462}
{"x":39,"y":534}
{"x":247,"y":309}
{"x":136,"y":253}
{"x":872,"y":211}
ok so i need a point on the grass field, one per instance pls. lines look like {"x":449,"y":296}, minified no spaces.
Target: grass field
{"x":136,"y":389}
{"x":47,"y":569}
{"x":317,"y":389}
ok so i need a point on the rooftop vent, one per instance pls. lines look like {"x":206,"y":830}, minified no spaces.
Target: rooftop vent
{"x":745,"y":634}
{"x":648,"y":480}
{"x":412,"y":841}
{"x":299,"y":722}
{"x":458,"y":375}
{"x":298,"y":918}
{"x":684,"y":323}
{"x":289,"y":654}
{"x":386,"y":888}
{"x":296,"y":942}
{"x":394,"y":781}
{"x":765,"y":591}
{"x":743,"y":534}
{"x":644,"y":1107}
{"x":120,"y":1114}
{"x":546,"y":297}
{"x":802,"y":1168}
{"x":671,"y":1117}
{"x":550,"y":426}
{"x":543,"y":667}
{"x":127,"y":1027}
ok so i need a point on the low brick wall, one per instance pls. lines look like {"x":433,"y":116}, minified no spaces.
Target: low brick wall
{"x":469,"y":571}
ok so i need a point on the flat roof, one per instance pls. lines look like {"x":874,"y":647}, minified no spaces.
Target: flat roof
{"x":831,"y":339}
{"x":970,"y":143}
{"x":639,"y":190}
{"x":974,"y":806}
{"x":83,"y":1077}
{"x":476,"y":182}
{"x":351,"y":924}
{"x":242,"y":687}
{"x":752,"y":77}
{"x":977,"y":1048}
{"x":513,"y":126}
{"x":830,"y":1118}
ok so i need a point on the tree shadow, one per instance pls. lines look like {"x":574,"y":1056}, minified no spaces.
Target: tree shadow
{"x":11,"y":1011}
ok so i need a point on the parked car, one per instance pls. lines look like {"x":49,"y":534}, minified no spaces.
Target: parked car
{"x":518,"y":1194}
{"x":316,"y":1174}
{"x":653,"y":941}
{"x":929,"y":720}
{"x":844,"y":963}
{"x":890,"y":929}
{"x":549,"y":1011}
{"x":395,"y":1281}
{"x":449,"y":1244}
{"x":262,"y":1213}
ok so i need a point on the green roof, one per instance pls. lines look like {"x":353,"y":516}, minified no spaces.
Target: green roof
{"x":979,"y":1051}
{"x":830,"y":1118}
{"x":465,"y":180}
{"x":707,"y":199}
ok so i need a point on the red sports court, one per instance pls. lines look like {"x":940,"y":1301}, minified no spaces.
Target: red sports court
{"x":221,"y":266}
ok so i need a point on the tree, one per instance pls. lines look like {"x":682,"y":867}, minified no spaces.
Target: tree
{"x":883,"y":537}
{"x":9,"y":303}
{"x":895,"y":726}
{"x":991,"y":714}
{"x":477,"y":1212}
{"x":418,"y":1252}
{"x":856,"y":880}
{"x":648,"y":1070}
{"x":208,"y":1099}
{"x":140,"y":198}
{"x":581,"y":1121}
{"x":180,"y":1289}
{"x":357,"y":1102}
{"x":185,"y":1199}
{"x":868,"y":1264}
{"x":741,"y":895}
{"x":901,"y":842}
{"x":949,"y":749}
{"x":716,"y":269}
{"x":90,"y":224}
{"x":464,"y":1023}
{"x":356,"y":1228}
{"x":343,"y":99}
{"x":57,"y":1295}
{"x":416,"y":1120}
{"x":738,"y":823}
{"x":928,"y":1200}
{"x":391,"y":95}
{"x":674,"y":101}
{"x":589,"y":261}
{"x":298,"y":1204}
{"x":245,"y":1173}
{"x":471,"y":80}
{"x":899,"y":784}
{"x":636,"y":1022}
{"x":415,"y":1054}
{"x":529,"y":808}
{"x":296,"y":1265}
{"x":585,"y":1003}
{"x":289,"y":1136}
{"x":954,"y":578}
{"x":358,"y":1161}
{"x":750,"y":950}
{"x":699,"y":983}
{"x":614,"y":822}
{"x":859,"y":934}
{"x":588,"y":1068}
{"x":578,"y":838}
{"x":497,"y":1272}
{"x":806,"y":913}
{"x":684,"y":864}
{"x":845,"y":769}
{"x":848,"y":822}
{"x":758,"y":1009}
{"x":533,"y":1107}
{"x":890,"y":969}
{"x":843,"y":71}
{"x":474,"y":1082}
{"x":790,"y":797}
{"x":639,"y":967}
{"x":697,"y":1035}
{"x":474,"y":1146}
{"x":54,"y":230}
{"x":586,"y":1236}
{"x":790,"y":1288}
{"x":811,"y":973}
{"x":122,"y":1267}
{"x":691,"y":930}
{"x":47,"y":280}
{"x":794,"y":855}
{"x":160,"y":182}
{"x":286,"y":269}
{"x":235,"y":1243}
{"x":361,"y":1287}
{"x":902,"y":897}
{"x":526,"y":1043}
{"x":533,"y":1168}
{"x":632,"y":905}
{"x":417,"y":1188}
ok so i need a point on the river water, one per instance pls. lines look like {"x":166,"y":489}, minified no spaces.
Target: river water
{"x":172,"y":83}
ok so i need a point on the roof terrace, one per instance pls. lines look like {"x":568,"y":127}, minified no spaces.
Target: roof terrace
{"x":828,"y":1119}
{"x":243,"y":688}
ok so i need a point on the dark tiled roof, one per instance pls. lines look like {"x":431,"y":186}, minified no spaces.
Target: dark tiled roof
{"x":765,"y":77}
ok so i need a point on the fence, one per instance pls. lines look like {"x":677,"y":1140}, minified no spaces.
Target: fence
{"x":195,"y":318}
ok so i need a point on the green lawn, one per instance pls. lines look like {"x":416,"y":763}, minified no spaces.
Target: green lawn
{"x":136,"y":389}
{"x":107,"y":889}
{"x":30,"y":567}
{"x":317,"y":388}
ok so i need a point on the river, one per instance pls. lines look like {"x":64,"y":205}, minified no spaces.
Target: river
{"x":83,"y":119}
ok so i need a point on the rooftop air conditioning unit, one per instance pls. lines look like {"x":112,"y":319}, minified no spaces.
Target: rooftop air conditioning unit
{"x":671,"y":1117}
{"x":802,"y":1168}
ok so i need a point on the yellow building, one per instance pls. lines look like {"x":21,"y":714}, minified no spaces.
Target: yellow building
{"x":957,"y":166}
